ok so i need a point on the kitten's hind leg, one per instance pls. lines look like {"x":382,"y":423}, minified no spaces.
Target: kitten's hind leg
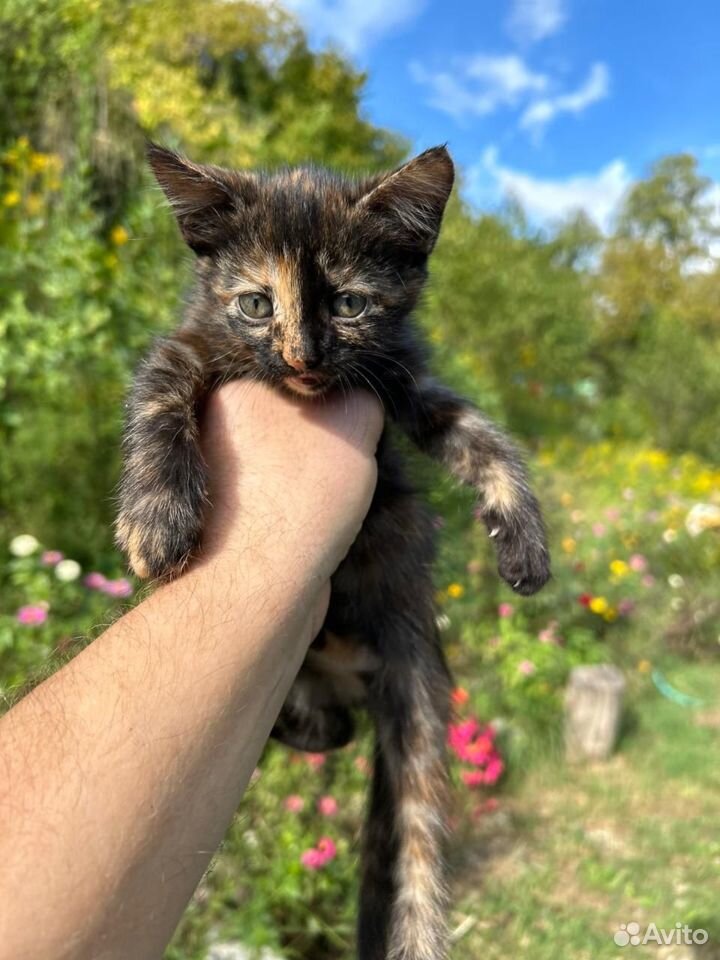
{"x":403,"y":898}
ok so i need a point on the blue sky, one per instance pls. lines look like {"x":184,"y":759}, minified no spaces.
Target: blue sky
{"x":561,"y":102}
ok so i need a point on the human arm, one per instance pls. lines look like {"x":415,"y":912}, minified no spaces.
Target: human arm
{"x":119,"y":775}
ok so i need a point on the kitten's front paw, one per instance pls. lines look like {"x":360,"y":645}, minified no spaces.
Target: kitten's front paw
{"x":157,"y":541}
{"x":523,"y":557}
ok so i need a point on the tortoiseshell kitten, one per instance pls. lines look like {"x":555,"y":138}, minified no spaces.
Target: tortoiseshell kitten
{"x":308,"y":280}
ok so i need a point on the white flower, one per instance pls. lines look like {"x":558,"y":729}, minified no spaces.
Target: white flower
{"x":67,"y":570}
{"x":442,"y":621}
{"x":703,"y":516}
{"x":23,"y":545}
{"x":669,"y":535}
{"x":676,"y":581}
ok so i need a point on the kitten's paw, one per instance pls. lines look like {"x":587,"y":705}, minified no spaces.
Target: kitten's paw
{"x":523,"y":556}
{"x":158,"y":540}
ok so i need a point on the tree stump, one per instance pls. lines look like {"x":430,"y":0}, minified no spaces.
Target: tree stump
{"x":593,"y":708}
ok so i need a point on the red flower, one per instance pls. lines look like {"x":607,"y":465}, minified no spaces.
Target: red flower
{"x":584,"y":599}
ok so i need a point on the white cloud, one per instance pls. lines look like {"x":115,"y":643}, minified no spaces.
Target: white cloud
{"x":353,"y":24}
{"x":479,"y":85}
{"x":546,"y":200}
{"x":541,"y":112}
{"x":533,"y":20}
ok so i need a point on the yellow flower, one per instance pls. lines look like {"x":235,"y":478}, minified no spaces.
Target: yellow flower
{"x":568,"y":544}
{"x":644,"y":666}
{"x":599,"y":605}
{"x":12,"y":198}
{"x":566,"y":499}
{"x":39,"y":162}
{"x":34,"y":204}
{"x":119,"y":236}
{"x":610,"y":614}
{"x":619,"y":568}
{"x":455,"y":590}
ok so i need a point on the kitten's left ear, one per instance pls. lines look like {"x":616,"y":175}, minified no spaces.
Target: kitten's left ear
{"x":413,"y":197}
{"x":203,"y":197}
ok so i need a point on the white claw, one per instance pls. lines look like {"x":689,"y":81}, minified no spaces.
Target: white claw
{"x":494,"y":532}
{"x":517,"y":583}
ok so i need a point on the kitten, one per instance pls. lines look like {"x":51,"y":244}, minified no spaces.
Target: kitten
{"x":308,"y":280}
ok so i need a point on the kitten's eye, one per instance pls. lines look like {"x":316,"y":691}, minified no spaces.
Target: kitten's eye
{"x":255,"y":306}
{"x":348,"y":305}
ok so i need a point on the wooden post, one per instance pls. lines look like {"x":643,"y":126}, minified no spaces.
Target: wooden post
{"x":593,"y":707}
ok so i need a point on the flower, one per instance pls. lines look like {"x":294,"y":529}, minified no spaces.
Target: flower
{"x":442,"y":621}
{"x":625,"y":607}
{"x":50,"y":558}
{"x":676,"y":581}
{"x":12,"y":198}
{"x":585,"y":599}
{"x":362,"y":765}
{"x":703,"y":516}
{"x":638,"y":563}
{"x":95,"y":580}
{"x":315,"y":858}
{"x":294,"y":803}
{"x":459,"y":696}
{"x":549,"y":634}
{"x":669,"y":535}
{"x":566,"y":499}
{"x":599,"y":605}
{"x":119,"y":236}
{"x":648,"y":580}
{"x":32,"y":615}
{"x":526,"y":668}
{"x":619,"y":568}
{"x":117,"y":588}
{"x":315,"y":760}
{"x":327,"y":806}
{"x":67,"y":570}
{"x":644,"y":666}
{"x":506,"y":610}
{"x":23,"y":545}
{"x":613,"y":514}
{"x":455,"y":590}
{"x":598,"y":529}
{"x":568,"y":544}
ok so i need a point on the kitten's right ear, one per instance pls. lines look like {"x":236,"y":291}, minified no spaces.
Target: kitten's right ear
{"x":203,"y":197}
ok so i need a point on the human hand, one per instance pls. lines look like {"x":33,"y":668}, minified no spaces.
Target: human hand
{"x":289,"y":478}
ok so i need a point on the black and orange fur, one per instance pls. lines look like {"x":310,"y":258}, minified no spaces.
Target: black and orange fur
{"x":298,"y":238}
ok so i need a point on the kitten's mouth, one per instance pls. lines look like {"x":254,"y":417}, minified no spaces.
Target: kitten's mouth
{"x":307,"y":384}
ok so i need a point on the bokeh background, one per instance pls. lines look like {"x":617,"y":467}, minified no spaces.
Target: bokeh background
{"x":575,"y":295}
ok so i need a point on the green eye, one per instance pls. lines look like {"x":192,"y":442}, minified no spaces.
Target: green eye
{"x":348,"y":305}
{"x":255,"y":306}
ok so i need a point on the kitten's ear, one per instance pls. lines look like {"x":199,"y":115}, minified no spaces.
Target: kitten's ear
{"x":202,"y":197}
{"x":413,"y":197}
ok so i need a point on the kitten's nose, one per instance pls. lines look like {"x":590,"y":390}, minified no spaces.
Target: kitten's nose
{"x":297,"y":363}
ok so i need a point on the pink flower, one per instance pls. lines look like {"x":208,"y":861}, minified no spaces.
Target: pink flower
{"x":318,"y":856}
{"x":648,"y":580}
{"x":312,"y":859}
{"x":625,"y":607}
{"x":32,"y":615}
{"x":294,"y":803}
{"x":461,"y":734}
{"x":327,"y":806}
{"x":50,"y":558}
{"x":638,"y":563}
{"x":506,"y":610}
{"x":548,"y":635}
{"x":95,"y":581}
{"x":315,"y":760}
{"x":473,"y":778}
{"x":117,"y":588}
{"x":613,"y":514}
{"x":598,"y":529}
{"x":494,"y":769}
{"x":526,"y":668}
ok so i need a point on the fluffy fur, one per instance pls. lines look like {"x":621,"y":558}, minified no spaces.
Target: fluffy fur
{"x":300,"y":238}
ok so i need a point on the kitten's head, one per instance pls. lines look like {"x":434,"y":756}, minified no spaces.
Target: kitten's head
{"x":309,"y":275}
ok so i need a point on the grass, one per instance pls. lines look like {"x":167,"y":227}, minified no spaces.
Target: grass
{"x":575,"y":852}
